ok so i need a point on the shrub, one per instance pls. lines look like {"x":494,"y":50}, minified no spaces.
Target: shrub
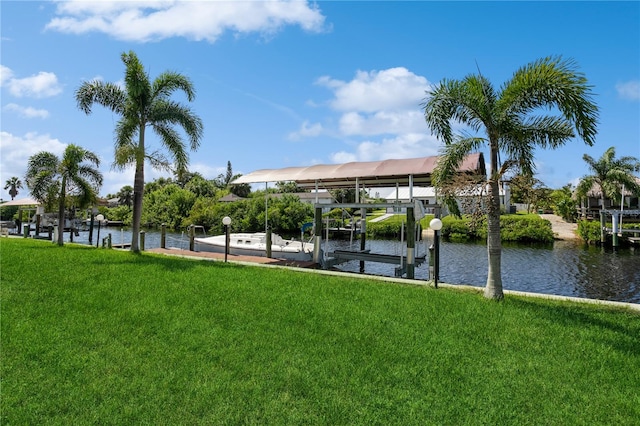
{"x":512,"y":228}
{"x":589,"y":230}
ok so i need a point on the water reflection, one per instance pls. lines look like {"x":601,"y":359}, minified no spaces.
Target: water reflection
{"x":562,"y":268}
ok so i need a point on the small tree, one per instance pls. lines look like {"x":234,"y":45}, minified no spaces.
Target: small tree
{"x":75,"y":174}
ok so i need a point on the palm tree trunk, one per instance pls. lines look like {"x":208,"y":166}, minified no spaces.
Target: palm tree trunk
{"x":493,"y":290}
{"x":138,"y":194}
{"x":61,"y":203}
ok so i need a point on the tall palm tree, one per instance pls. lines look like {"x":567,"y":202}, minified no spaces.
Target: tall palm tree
{"x":76,"y":173}
{"x":13,"y":185}
{"x":512,"y":121}
{"x":610,"y":174}
{"x":140,"y":104}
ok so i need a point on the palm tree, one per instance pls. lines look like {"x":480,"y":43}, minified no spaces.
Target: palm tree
{"x":513,"y":123}
{"x":124,"y":195}
{"x":13,"y":185}
{"x":610,"y":174}
{"x":143,"y":103}
{"x":75,"y":174}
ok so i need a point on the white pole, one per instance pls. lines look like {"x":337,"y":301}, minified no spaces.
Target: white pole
{"x":266,"y":207}
{"x":621,"y":205}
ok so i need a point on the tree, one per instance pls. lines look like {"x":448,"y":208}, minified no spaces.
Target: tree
{"x":610,"y":174}
{"x":564,"y":205}
{"x":223,"y":181}
{"x":76,"y":174}
{"x":140,"y":104}
{"x":13,"y":185}
{"x":125,"y":195}
{"x":512,"y":121}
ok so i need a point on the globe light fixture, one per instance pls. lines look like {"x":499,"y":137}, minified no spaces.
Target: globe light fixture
{"x":226,"y":221}
{"x":436,"y":225}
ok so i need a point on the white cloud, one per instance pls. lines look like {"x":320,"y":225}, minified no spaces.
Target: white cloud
{"x":196,"y":20}
{"x":41,"y":85}
{"x":27,"y":112}
{"x":382,"y":108}
{"x":16,"y":151}
{"x":306,"y":130}
{"x":629,"y":90}
{"x":390,"y":89}
{"x":5,"y":75}
{"x":409,"y":145}
{"x":383,"y":122}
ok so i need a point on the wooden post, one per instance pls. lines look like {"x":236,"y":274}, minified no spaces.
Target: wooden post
{"x":142,"y":234}
{"x":163,"y":235}
{"x":268,"y":242}
{"x":603,"y":229}
{"x":411,"y":243}
{"x":192,"y":236}
{"x":91,"y":222}
{"x":109,"y":242}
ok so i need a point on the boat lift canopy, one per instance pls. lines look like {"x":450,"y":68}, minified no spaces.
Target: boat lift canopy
{"x":385,"y":173}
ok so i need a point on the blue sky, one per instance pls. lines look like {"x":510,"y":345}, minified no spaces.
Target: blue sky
{"x":284,"y":84}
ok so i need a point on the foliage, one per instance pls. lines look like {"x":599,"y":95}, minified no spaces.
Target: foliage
{"x":125,"y":195}
{"x":510,"y":121}
{"x":163,"y":340}
{"x":589,"y":230}
{"x":73,"y":178}
{"x":168,"y":205}
{"x":531,"y":191}
{"x":8,"y":212}
{"x":120,"y":213}
{"x":609,"y":174}
{"x":516,"y":228}
{"x":143,"y":103}
{"x":288,"y":187}
{"x":564,"y":205}
{"x":13,"y":185}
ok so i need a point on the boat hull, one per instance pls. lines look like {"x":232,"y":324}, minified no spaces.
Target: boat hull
{"x":254,"y":245}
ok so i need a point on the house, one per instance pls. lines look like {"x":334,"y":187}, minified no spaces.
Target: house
{"x":427,"y":195}
{"x":592,"y":204}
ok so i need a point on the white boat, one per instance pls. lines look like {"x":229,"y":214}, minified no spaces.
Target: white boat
{"x":254,"y":244}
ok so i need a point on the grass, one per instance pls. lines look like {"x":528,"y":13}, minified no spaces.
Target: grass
{"x":100,"y":336}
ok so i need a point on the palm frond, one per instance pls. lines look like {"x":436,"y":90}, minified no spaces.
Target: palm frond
{"x":168,"y":82}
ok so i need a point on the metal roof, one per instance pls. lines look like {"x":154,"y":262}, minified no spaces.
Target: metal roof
{"x":369,"y":174}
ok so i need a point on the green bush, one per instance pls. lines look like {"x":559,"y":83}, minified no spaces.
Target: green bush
{"x":515,"y":228}
{"x":589,"y":230}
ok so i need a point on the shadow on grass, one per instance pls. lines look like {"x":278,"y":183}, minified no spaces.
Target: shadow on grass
{"x":614,"y":327}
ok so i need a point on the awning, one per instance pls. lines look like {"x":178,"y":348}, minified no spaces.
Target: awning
{"x":371,"y":174}
{"x":21,"y":202}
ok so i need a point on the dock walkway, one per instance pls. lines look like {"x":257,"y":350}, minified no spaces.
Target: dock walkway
{"x":232,"y":258}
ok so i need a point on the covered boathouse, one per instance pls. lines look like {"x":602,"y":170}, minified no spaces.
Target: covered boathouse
{"x":365,"y":175}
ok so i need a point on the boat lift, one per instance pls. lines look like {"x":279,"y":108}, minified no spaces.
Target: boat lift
{"x":406,"y":264}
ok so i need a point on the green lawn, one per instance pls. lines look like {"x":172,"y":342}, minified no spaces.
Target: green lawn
{"x":93,"y":336}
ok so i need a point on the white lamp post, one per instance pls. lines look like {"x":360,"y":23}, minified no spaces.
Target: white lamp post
{"x":226,"y":221}
{"x":436,"y":225}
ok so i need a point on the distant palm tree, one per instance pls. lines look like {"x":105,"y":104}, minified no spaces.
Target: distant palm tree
{"x":13,"y":185}
{"x":75,"y":174}
{"x":125,"y":195}
{"x":513,"y":123}
{"x":610,"y":174}
{"x":143,"y":103}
